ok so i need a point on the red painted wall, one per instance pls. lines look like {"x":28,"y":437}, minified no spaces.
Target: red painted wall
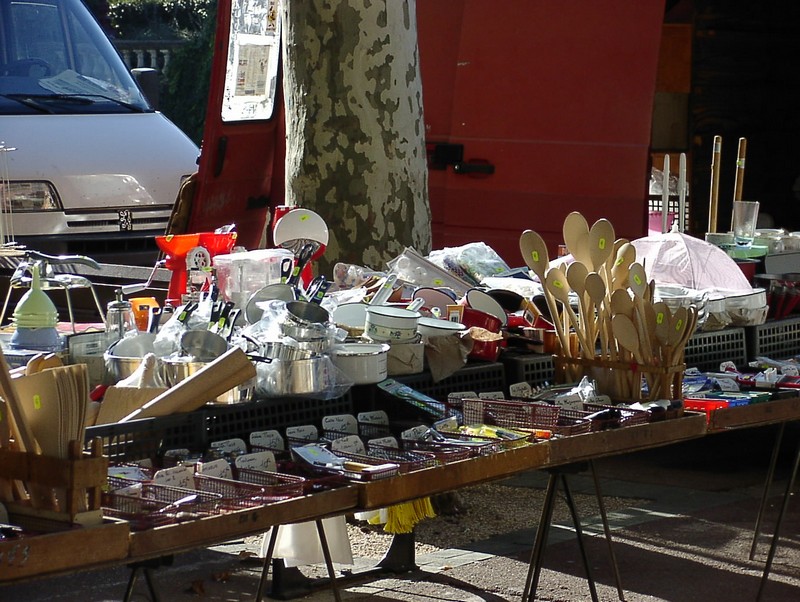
{"x":557,"y":95}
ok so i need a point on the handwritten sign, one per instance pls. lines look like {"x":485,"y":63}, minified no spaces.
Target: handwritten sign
{"x":220,"y":468}
{"x":384,"y":442}
{"x":177,"y":476}
{"x":342,"y":423}
{"x":351,"y":444}
{"x":267,"y":439}
{"x":230,"y":446}
{"x":415,"y":433}
{"x":374,"y":417}
{"x":306,"y":432}
{"x":264,"y":460}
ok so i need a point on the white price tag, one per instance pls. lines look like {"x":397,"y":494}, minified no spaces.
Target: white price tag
{"x":415,"y":433}
{"x":728,"y":384}
{"x":220,"y":468}
{"x":491,"y":395}
{"x":230,"y":446}
{"x":306,"y":432}
{"x":268,"y":439}
{"x":374,"y":417}
{"x":384,"y":442}
{"x":342,"y":423}
{"x":257,"y":461}
{"x":177,"y":476}
{"x":351,"y":444}
{"x":522,"y":390}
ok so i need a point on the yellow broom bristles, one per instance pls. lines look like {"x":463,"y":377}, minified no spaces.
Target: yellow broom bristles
{"x":402,"y":518}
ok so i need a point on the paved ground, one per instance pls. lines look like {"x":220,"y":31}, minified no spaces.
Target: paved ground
{"x":689,"y":541}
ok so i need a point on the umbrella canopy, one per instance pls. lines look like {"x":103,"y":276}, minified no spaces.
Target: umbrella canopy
{"x":676,"y":258}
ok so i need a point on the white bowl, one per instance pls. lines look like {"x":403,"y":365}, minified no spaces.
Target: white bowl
{"x":391,"y":324}
{"x":363,"y":363}
{"x":432,"y":327}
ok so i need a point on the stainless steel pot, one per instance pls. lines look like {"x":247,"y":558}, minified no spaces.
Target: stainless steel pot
{"x":312,"y":332}
{"x":177,"y":370}
{"x":305,"y":313}
{"x":301,"y":377}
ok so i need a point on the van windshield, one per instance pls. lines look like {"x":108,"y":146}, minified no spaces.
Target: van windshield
{"x":55,"y":58}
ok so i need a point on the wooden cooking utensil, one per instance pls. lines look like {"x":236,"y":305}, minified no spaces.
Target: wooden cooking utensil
{"x":229,"y":370}
{"x":637,"y":280}
{"x":556,"y":284}
{"x":627,"y":336}
{"x":576,"y":277}
{"x":576,"y":236}
{"x":601,"y":244}
{"x":713,"y":200}
{"x":626,"y":255}
{"x":596,"y":289}
{"x":534,"y":253}
{"x":739,"y":184}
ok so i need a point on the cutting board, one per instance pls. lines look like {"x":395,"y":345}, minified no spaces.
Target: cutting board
{"x":118,"y":402}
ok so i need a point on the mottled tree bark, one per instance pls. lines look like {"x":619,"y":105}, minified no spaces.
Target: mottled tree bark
{"x":355,"y":134}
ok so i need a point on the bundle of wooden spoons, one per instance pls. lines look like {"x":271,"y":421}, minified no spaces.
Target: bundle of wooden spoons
{"x":622,"y":333}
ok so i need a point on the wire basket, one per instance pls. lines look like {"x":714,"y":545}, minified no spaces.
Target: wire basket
{"x":510,"y":413}
{"x":407,"y":460}
{"x":623,"y":416}
{"x":314,"y":480}
{"x":572,"y":422}
{"x":444,"y":453}
{"x":158,"y":505}
{"x":235,"y":494}
{"x":277,"y":486}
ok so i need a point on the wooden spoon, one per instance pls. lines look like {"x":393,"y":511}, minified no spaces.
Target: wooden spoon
{"x":596,"y":289}
{"x":576,"y":277}
{"x":627,"y":337}
{"x":556,"y":284}
{"x":626,"y":255}
{"x":576,"y":236}
{"x":637,"y":280}
{"x":534,"y":253}
{"x":601,"y":244}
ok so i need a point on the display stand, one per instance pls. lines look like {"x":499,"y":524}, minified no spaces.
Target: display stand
{"x":773,"y":546}
{"x":285,"y":588}
{"x":542,"y":531}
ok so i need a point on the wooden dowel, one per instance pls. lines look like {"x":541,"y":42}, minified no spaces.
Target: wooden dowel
{"x":739,"y":184}
{"x":714,"y":192}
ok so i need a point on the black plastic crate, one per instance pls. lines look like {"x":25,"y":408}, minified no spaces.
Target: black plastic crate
{"x":239,"y":420}
{"x":532,"y":368}
{"x":150,"y":437}
{"x":479,"y":378}
{"x":707,"y":350}
{"x":775,"y":339}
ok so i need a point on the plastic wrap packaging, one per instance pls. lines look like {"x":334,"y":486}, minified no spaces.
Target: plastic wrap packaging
{"x":413,"y":268}
{"x":316,"y":377}
{"x":472,"y":262}
{"x":167,"y":341}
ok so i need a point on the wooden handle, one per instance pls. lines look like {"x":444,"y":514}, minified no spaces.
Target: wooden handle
{"x":739,"y":184}
{"x":714,"y":193}
{"x":229,"y":370}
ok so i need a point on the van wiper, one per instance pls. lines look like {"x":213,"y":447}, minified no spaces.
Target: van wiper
{"x":29,"y":101}
{"x":40,"y":101}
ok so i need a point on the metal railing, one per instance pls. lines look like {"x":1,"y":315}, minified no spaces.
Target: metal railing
{"x":154,"y":54}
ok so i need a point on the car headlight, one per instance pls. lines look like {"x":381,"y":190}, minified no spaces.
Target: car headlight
{"x":30,"y":196}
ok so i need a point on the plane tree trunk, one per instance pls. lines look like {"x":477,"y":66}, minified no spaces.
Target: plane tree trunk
{"x":355,"y":150}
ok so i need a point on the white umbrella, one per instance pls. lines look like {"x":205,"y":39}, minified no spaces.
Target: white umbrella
{"x":675,"y":258}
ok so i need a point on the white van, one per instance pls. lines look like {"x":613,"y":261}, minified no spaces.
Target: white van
{"x":87,"y":166}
